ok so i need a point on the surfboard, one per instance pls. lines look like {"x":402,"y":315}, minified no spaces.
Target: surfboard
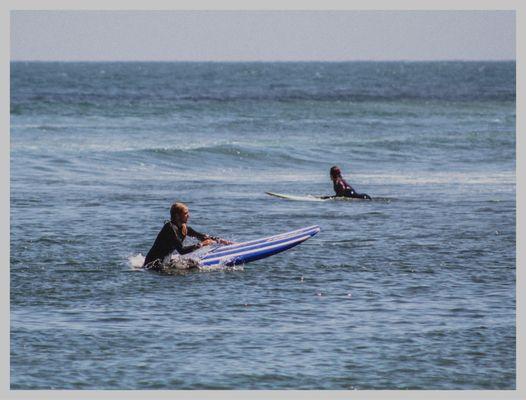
{"x":312,"y":197}
{"x":297,"y":198}
{"x":245,"y":252}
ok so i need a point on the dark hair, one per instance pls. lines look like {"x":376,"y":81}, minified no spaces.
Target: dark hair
{"x":335,"y":172}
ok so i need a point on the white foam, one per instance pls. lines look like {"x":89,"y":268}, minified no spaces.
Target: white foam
{"x":136,"y":261}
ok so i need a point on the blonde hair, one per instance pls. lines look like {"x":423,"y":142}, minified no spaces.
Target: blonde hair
{"x":175,"y":210}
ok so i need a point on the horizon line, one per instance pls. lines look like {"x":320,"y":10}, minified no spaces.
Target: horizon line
{"x":273,"y":61}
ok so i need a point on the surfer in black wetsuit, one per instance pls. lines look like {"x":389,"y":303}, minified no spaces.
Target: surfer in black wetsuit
{"x":342,"y":188}
{"x":172,"y":236}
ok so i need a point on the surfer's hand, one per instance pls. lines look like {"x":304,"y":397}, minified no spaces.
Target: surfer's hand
{"x":207,"y":242}
{"x":223,"y":241}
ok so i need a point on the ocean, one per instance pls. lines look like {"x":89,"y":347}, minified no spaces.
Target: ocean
{"x":416,"y":291}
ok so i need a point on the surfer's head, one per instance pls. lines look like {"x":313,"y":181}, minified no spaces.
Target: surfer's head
{"x":335,"y":172}
{"x":179,"y":213}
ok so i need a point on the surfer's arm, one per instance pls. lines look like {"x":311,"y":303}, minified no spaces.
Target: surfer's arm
{"x":200,"y":236}
{"x":187,"y":249}
{"x":205,"y":238}
{"x":339,"y":188}
{"x":183,"y":249}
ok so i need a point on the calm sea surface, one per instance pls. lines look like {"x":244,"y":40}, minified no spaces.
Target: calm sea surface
{"x":416,"y":291}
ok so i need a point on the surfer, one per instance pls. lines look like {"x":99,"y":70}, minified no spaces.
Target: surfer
{"x":342,"y":188}
{"x":173,"y":234}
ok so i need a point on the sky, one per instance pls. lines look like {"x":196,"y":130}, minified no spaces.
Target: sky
{"x":261,"y":35}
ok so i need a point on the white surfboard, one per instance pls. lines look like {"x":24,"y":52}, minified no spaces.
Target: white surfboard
{"x":310,"y":197}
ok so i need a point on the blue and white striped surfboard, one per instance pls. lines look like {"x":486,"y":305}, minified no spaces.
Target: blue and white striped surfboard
{"x":242,"y":253}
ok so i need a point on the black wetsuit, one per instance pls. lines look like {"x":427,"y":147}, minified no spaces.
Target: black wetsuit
{"x":343,"y":189}
{"x":171,"y":238}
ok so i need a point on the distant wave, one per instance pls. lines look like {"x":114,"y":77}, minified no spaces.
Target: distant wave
{"x":157,"y":103}
{"x":355,"y":96}
{"x":227,"y":151}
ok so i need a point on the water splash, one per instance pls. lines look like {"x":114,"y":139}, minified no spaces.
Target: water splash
{"x":136,"y":261}
{"x":221,"y":267}
{"x":181,"y":264}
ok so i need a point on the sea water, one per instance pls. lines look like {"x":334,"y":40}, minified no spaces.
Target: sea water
{"x":413,"y":292}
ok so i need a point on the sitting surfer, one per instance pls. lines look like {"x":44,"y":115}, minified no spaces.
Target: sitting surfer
{"x":172,"y":236}
{"x":342,"y":188}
